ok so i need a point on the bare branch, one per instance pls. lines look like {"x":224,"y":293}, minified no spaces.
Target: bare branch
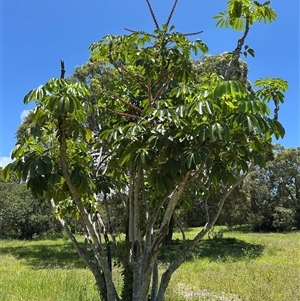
{"x":172,"y":12}
{"x":192,"y":33}
{"x":152,"y":14}
{"x":131,"y":30}
{"x":139,"y":31}
{"x":153,"y":36}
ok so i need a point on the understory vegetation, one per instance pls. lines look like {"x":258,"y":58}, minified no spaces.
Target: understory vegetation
{"x":236,"y":266}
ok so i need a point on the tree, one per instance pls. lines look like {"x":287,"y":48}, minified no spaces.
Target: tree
{"x":160,"y":129}
{"x":274,"y":192}
{"x":218,"y":64}
{"x":21,"y":215}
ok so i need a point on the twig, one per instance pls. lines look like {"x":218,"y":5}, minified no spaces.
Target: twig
{"x":192,"y":33}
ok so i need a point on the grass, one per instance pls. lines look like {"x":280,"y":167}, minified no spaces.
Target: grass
{"x":246,"y":266}
{"x":240,"y":266}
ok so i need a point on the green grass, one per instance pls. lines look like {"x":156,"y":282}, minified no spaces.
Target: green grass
{"x":240,"y":266}
{"x":43,"y":270}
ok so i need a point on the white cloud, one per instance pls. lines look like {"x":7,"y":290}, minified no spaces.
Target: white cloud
{"x":24,"y":114}
{"x":4,"y":161}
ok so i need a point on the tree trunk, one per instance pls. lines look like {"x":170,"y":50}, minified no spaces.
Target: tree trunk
{"x":168,"y":238}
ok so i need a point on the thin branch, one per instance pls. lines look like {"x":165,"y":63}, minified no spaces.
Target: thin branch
{"x":152,"y":14}
{"x":153,"y":218}
{"x":102,"y":229}
{"x":159,"y":92}
{"x":124,"y":114}
{"x":131,"y":30}
{"x":120,"y":67}
{"x":182,"y":183}
{"x":111,"y":232}
{"x":84,"y":256}
{"x":172,"y":12}
{"x":149,"y":87}
{"x":125,"y":102}
{"x":140,"y":32}
{"x":154,"y":36}
{"x":207,"y":211}
{"x":192,"y":33}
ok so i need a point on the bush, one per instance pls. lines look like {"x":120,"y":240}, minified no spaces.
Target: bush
{"x":283,"y":219}
{"x":22,"y":216}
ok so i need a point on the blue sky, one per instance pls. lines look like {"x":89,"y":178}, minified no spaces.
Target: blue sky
{"x":37,"y":34}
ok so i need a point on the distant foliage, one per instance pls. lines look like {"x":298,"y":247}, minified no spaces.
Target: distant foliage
{"x":22,"y":216}
{"x":283,"y":218}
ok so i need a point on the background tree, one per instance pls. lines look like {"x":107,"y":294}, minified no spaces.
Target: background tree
{"x":21,"y":215}
{"x":161,"y":130}
{"x":209,"y":65}
{"x":274,"y":192}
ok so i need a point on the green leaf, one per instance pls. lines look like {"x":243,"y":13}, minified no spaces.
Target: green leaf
{"x":203,"y":47}
{"x":251,"y":52}
{"x":249,"y":123}
{"x":6,"y":171}
{"x":237,"y":9}
{"x":46,"y":159}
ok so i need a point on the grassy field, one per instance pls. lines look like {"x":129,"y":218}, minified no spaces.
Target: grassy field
{"x":240,"y":266}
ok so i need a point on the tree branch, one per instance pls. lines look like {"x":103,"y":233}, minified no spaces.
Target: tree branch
{"x":172,"y":12}
{"x":167,"y":217}
{"x":152,"y":14}
{"x":125,"y":102}
{"x":135,"y":78}
{"x":237,"y":51}
{"x":164,"y":85}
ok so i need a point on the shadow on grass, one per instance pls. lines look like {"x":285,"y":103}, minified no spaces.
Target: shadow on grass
{"x":43,"y":256}
{"x":221,"y":250}
{"x":39,"y":255}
